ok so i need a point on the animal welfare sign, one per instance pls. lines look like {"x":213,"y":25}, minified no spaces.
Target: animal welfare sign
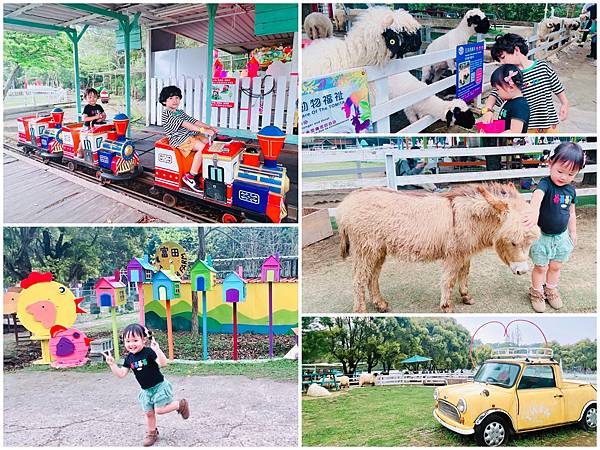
{"x":469,"y":70}
{"x":337,"y":103}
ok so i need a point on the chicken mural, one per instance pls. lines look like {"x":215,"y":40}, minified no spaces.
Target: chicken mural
{"x":68,"y":347}
{"x":43,"y":304}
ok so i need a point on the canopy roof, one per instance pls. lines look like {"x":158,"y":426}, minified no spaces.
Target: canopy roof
{"x":415,"y":359}
{"x":234,"y":22}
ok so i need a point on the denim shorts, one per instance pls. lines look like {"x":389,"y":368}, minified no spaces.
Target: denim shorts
{"x":551,"y":247}
{"x":159,"y":395}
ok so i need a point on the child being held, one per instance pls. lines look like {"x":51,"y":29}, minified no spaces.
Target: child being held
{"x":507,"y":80}
{"x":553,"y":210}
{"x":156,"y":396}
{"x":93,"y":114}
{"x":539,"y":83}
{"x":184,"y":132}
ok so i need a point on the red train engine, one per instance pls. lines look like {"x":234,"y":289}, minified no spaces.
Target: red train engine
{"x":232,"y":175}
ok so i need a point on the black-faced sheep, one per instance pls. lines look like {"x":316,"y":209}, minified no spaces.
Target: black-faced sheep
{"x":475,"y":21}
{"x":378,"y":36}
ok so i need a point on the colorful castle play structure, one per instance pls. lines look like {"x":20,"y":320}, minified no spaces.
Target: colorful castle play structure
{"x":267,"y":304}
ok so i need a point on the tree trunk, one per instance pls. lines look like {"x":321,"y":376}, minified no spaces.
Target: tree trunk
{"x":10,"y":80}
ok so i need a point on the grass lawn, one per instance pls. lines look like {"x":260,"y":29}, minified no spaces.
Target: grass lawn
{"x":277,"y":370}
{"x":401,"y":416}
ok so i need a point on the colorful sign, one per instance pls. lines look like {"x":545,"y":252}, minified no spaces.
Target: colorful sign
{"x":469,"y":70}
{"x":223,"y":90}
{"x":172,"y":254}
{"x":337,"y":103}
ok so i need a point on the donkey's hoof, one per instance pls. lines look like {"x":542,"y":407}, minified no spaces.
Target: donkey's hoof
{"x":447,"y":308}
{"x":382,"y":306}
{"x":467,"y":299}
{"x":360,"y":309}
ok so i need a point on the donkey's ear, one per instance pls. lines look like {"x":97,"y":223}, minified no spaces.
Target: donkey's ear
{"x":499,"y":205}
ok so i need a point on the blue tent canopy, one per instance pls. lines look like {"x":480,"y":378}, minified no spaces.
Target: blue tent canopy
{"x":415,"y":359}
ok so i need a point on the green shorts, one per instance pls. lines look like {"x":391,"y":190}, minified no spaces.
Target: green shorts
{"x":551,"y":247}
{"x":159,"y":395}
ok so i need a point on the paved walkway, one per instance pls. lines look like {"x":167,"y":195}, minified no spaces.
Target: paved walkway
{"x":76,"y":409}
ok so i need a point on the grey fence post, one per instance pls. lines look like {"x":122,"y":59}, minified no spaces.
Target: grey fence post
{"x":390,"y":170}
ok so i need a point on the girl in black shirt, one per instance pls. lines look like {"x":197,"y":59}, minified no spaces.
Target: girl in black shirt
{"x":508,"y":82}
{"x":156,"y":396}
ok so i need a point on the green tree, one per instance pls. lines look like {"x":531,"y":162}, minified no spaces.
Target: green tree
{"x":24,"y":50}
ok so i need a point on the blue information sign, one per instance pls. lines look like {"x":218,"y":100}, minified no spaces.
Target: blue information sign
{"x":469,"y":70}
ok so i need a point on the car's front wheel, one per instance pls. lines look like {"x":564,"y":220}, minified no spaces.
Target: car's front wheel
{"x":588,"y":421}
{"x":492,"y":432}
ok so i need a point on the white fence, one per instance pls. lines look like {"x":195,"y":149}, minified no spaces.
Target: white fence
{"x":431,"y":379}
{"x":388,"y":159}
{"x":258,"y":102}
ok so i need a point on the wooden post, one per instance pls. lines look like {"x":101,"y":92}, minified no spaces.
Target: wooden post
{"x":169,"y":330}
{"x":204,"y":328}
{"x":113,"y":314}
{"x":142,"y":306}
{"x":270,"y":319}
{"x":235,"y":343}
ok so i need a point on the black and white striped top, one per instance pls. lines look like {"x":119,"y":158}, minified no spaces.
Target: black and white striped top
{"x":171,"y":122}
{"x":539,"y":83}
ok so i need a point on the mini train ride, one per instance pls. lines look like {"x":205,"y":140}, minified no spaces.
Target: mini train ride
{"x":105,"y":147}
{"x":233,"y":178}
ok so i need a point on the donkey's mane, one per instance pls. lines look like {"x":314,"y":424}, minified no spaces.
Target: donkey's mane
{"x":464,"y":190}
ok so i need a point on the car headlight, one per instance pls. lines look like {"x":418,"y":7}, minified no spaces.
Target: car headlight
{"x":461,"y":405}
{"x":435,"y":394}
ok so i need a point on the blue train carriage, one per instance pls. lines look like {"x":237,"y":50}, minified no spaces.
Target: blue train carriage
{"x":106,"y":148}
{"x":261,"y":188}
{"x":52,"y":137}
{"x":117,"y":154}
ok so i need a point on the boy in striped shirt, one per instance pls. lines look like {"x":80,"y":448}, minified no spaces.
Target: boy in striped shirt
{"x":539,"y":83}
{"x":184,"y":132}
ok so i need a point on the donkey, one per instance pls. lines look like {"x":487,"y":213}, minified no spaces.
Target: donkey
{"x":416,"y":226}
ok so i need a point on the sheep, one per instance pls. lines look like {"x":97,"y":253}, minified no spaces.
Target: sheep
{"x":572,"y":24}
{"x":453,"y":112}
{"x":344,"y":381}
{"x":378,"y":36}
{"x":314,"y":390}
{"x":474,"y":21}
{"x":367,"y":378}
{"x":546,"y":27}
{"x":318,"y":26}
{"x":340,"y":17}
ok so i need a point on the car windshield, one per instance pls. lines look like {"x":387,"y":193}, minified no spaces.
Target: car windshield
{"x":501,"y":374}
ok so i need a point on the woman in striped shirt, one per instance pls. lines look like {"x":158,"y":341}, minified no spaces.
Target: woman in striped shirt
{"x":184,"y":132}
{"x":539,"y":83}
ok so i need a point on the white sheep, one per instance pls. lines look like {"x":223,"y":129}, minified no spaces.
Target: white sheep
{"x":367,"y":378}
{"x":344,"y":381}
{"x":453,"y":112}
{"x":378,"y":35}
{"x":318,"y":26}
{"x":340,"y":17}
{"x":474,"y":21}
{"x":314,"y":390}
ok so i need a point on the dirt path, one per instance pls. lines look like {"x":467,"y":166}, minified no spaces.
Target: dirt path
{"x":70,"y":409}
{"x":414,"y":287}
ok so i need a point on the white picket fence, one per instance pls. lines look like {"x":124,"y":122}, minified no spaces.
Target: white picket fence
{"x":431,"y":379}
{"x":273,"y":102}
{"x":388,"y":159}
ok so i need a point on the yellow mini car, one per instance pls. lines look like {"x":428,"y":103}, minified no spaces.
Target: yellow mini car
{"x":519,"y":390}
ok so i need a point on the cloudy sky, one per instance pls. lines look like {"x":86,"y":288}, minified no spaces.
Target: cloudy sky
{"x":565,"y":330}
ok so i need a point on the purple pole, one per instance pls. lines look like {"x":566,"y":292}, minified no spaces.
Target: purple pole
{"x":270,"y":319}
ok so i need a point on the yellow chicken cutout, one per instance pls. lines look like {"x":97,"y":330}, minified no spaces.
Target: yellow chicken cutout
{"x":44,"y":303}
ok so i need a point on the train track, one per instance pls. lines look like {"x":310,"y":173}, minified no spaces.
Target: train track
{"x":133,"y":189}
